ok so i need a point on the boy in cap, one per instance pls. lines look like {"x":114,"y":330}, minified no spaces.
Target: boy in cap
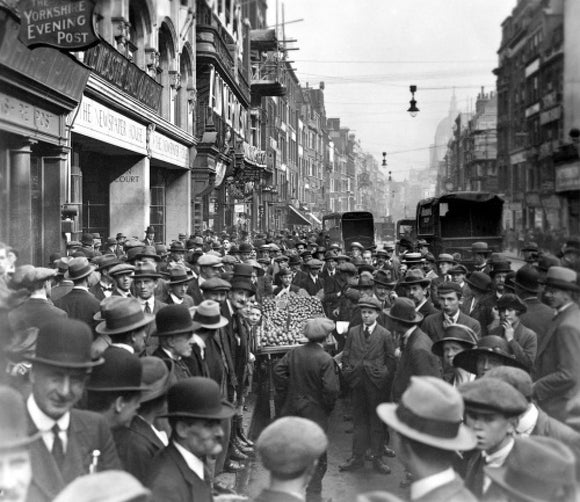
{"x":368,"y":364}
{"x":429,"y":431}
{"x":307,"y":385}
{"x":122,"y":277}
{"x":492,"y":408}
{"x":71,"y":440}
{"x":290,"y":449}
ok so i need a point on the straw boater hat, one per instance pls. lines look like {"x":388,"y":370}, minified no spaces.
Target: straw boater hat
{"x":430,"y":412}
{"x":207,"y":315}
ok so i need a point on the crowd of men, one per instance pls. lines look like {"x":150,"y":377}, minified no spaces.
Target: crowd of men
{"x":126,"y":365}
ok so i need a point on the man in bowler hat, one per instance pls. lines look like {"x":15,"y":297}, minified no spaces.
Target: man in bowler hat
{"x":195,"y":411}
{"x":73,"y":442}
{"x":307,"y":385}
{"x":289,"y":449}
{"x":428,"y":432}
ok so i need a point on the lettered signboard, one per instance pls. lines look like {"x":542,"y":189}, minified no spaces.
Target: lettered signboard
{"x":64,"y":24}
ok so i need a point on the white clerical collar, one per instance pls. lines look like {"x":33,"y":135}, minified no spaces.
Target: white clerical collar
{"x":422,"y":487}
{"x":194,"y":463}
{"x":176,"y":300}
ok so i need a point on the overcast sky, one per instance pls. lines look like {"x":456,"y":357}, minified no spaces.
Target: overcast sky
{"x":368,"y":52}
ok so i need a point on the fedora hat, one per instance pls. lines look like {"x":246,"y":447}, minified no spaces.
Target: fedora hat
{"x":490,"y":344}
{"x":105,"y":261}
{"x":403,"y":310}
{"x":243,"y":283}
{"x":79,"y":268}
{"x":133,"y":251}
{"x":415,"y":276}
{"x":527,"y":278}
{"x":122,"y":315}
{"x":120,"y":372}
{"x":173,"y":320}
{"x":382,"y":278}
{"x":179,"y":275}
{"x":177,"y":247}
{"x":430,"y":412}
{"x":538,"y":468}
{"x":106,"y":303}
{"x":455,"y":333}
{"x":500,"y":267}
{"x":156,"y":377}
{"x":561,"y":278}
{"x":365,"y":282}
{"x":147,"y":252}
{"x":64,"y":343}
{"x":207,"y":315}
{"x":146,"y":270}
{"x":197,"y":397}
{"x":480,"y":281}
{"x":13,"y":421}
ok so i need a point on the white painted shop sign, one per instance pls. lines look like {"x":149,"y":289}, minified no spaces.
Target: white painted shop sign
{"x":99,"y":122}
{"x":168,"y":150}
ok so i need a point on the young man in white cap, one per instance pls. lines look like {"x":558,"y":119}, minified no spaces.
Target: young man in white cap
{"x":428,"y":433}
{"x":289,"y":449}
{"x":307,"y":385}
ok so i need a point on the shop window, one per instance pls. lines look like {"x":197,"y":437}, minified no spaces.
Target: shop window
{"x":158,"y":203}
{"x":95,"y":196}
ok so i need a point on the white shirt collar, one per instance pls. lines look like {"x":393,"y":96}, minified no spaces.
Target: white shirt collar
{"x":563,"y":307}
{"x":421,"y":304}
{"x":194,"y":463}
{"x":84,"y":288}
{"x":124,"y":294}
{"x":422,"y":487}
{"x":176,"y":301}
{"x":407,"y":333}
{"x":453,"y":318}
{"x":45,"y":424}
{"x":496,"y":459}
{"x":200,"y":343}
{"x":125,"y":346}
{"x":527,"y":421}
{"x":371,"y":328}
{"x":150,"y":301}
{"x":170,"y":354}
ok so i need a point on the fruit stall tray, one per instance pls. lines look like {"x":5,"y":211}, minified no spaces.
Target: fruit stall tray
{"x":277,"y":349}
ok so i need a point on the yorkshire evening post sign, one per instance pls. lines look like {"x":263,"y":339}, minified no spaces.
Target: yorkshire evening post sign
{"x":64,"y":24}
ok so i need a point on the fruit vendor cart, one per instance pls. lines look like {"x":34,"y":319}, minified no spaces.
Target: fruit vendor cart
{"x":282,"y":330}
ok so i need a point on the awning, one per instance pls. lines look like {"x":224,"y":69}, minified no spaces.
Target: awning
{"x":314,"y":218}
{"x":295,"y":217}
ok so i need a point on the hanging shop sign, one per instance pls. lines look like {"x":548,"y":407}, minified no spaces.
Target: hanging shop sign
{"x":99,"y":122}
{"x":64,"y":24}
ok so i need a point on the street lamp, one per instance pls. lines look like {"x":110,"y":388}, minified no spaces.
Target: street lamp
{"x":384,"y":159}
{"x":413,"y":110}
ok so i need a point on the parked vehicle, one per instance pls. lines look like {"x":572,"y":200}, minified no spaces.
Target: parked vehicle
{"x":346,"y":228}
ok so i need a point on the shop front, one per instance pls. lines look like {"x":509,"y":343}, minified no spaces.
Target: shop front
{"x":568,"y":189}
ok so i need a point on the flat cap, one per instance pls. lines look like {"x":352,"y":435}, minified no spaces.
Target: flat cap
{"x":215,"y":284}
{"x":450,"y":287}
{"x":516,"y":377}
{"x":209,"y":260}
{"x":369,"y":302}
{"x":347,"y":268}
{"x":491,"y":395}
{"x":290,"y":445}
{"x":314,"y":264}
{"x":121,"y":268}
{"x":318,"y":328}
{"x":28,"y":276}
{"x":459,"y":269}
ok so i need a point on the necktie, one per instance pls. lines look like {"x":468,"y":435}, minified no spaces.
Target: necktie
{"x":447,"y":321}
{"x":367,"y":334}
{"x":147,"y":308}
{"x":57,"y":447}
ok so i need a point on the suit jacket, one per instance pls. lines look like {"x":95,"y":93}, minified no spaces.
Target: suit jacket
{"x":64,"y":288}
{"x":187,"y":300}
{"x":152,"y":342}
{"x":524,"y":344}
{"x":97,"y":291}
{"x":307,"y":383}
{"x":427,"y":309}
{"x":538,"y":317}
{"x":180,"y":368}
{"x":34,"y":312}
{"x":557,"y":376}
{"x":173,"y":481}
{"x":87,"y":432}
{"x":195,"y":292}
{"x":416,"y":360}
{"x":79,"y":304}
{"x":310,"y":286}
{"x":137,"y":445}
{"x":433,"y":325}
{"x":482,"y":313}
{"x":372,"y":360}
{"x":267,"y":495}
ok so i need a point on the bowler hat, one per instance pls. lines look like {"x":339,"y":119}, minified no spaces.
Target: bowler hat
{"x":156,"y":377}
{"x":415,"y":276}
{"x":538,"y":468}
{"x":490,"y":345}
{"x":403,"y":310}
{"x":197,"y":397}
{"x":516,"y":377}
{"x":243,"y":283}
{"x":148,"y":252}
{"x":13,"y":421}
{"x":480,"y":281}
{"x":30,"y":277}
{"x":430,"y":412}
{"x":64,"y":343}
{"x":527,"y":278}
{"x":318,"y":328}
{"x":405,"y":242}
{"x":511,"y":301}
{"x":150,"y":230}
{"x":445,"y":258}
{"x":179,"y":275}
{"x":491,"y":395}
{"x":382,"y":278}
{"x":500,"y":267}
{"x":121,"y":269}
{"x":290,"y":445}
{"x":120,"y":372}
{"x":207,"y":315}
{"x":562,"y":278}
{"x":455,"y":333}
{"x":146,"y":271}
{"x":173,"y":320}
{"x":122,"y":315}
{"x":369,"y":302}
{"x":480,"y":247}
{"x":215,"y":284}
{"x":79,"y":268}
